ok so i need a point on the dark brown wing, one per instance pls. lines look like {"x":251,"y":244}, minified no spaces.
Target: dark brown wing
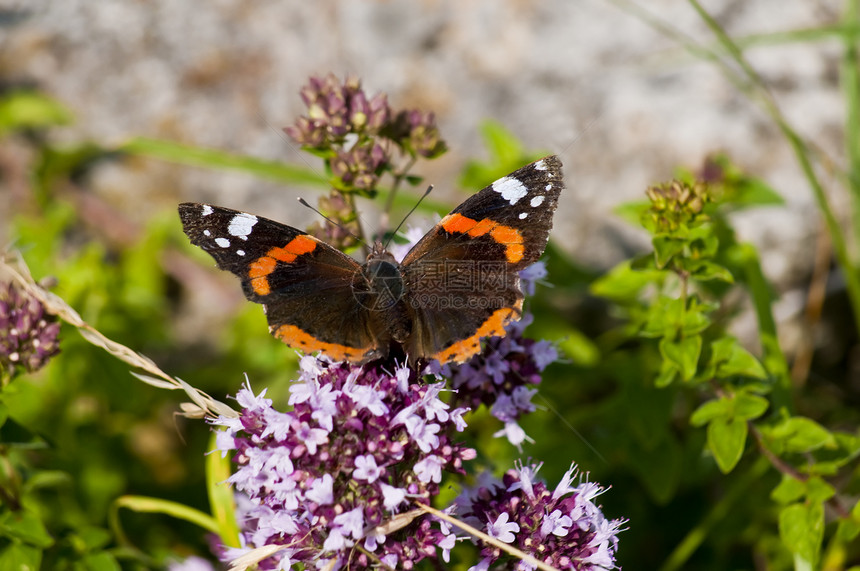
{"x":305,"y":285}
{"x":461,"y":279}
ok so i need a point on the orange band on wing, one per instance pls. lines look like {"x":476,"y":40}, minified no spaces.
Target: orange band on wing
{"x":282,"y":255}
{"x":265,"y":265}
{"x":507,"y":236}
{"x":514,"y":252}
{"x":482,"y":227}
{"x":261,"y":285}
{"x":261,"y":267}
{"x":301,"y":244}
{"x":457,"y":223}
{"x":494,"y":325}
{"x":295,"y":337}
{"x":513,"y":241}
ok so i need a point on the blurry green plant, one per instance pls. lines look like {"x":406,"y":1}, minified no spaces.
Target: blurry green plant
{"x":667,"y":298}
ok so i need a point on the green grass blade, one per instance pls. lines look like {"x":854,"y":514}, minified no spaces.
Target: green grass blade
{"x":143,"y":504}
{"x":215,"y":158}
{"x":850,"y":78}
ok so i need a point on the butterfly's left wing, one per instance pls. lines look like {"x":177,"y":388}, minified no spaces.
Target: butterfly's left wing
{"x":305,"y":285}
{"x":461,"y":279}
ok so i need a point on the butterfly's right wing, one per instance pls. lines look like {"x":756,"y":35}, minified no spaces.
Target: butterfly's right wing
{"x":305,"y":285}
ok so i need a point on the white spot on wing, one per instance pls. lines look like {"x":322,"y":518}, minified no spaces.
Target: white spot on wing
{"x":207,"y":210}
{"x":240,"y":252}
{"x":207,"y":233}
{"x":548,"y":187}
{"x":223,"y":242}
{"x":511,"y":189}
{"x":241,"y":224}
{"x":540,"y":165}
{"x":523,"y":215}
{"x":537,"y":201}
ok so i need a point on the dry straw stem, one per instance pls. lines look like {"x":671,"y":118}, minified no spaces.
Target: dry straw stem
{"x":486,"y":538}
{"x":202,"y":405}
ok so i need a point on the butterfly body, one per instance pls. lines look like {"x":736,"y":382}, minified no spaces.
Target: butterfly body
{"x":457,"y":285}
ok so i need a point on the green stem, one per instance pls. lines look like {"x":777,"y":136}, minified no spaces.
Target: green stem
{"x":398,"y":178}
{"x":852,"y":280}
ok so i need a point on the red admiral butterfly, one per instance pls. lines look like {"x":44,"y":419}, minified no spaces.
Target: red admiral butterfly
{"x":457,"y":285}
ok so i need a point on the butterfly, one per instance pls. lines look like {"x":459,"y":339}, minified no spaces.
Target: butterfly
{"x":457,"y":285}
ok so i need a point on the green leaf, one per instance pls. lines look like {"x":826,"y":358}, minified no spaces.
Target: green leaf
{"x":710,"y":410}
{"x":668,"y":372}
{"x":683,"y":354}
{"x":849,"y":527}
{"x":742,"y":406}
{"x":741,"y":190}
{"x":414,"y":180}
{"x":100,"y":562}
{"x":665,"y":318}
{"x":694,"y":320}
{"x":30,"y":110}
{"x":20,"y":557}
{"x":503,"y":145}
{"x":799,"y":434}
{"x":788,"y":490}
{"x":703,"y":242}
{"x":755,"y":192}
{"x":632,"y":212}
{"x":730,"y":359}
{"x":801,"y":528}
{"x":705,"y":271}
{"x":26,"y":527}
{"x":818,"y":490}
{"x":748,"y":407}
{"x":92,"y":538}
{"x":623,"y":284}
{"x":665,"y":249}
{"x":726,"y":440}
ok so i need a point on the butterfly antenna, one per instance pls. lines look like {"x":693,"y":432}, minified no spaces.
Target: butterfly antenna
{"x":423,"y":196}
{"x":341,"y":226}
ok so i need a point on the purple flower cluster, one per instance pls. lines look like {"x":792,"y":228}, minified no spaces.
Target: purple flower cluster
{"x":28,"y":334}
{"x":335,"y":110}
{"x":356,"y":133}
{"x":325,"y":480}
{"x":504,"y":374}
{"x":360,"y":166}
{"x":562,"y":528}
{"x":416,"y":131}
